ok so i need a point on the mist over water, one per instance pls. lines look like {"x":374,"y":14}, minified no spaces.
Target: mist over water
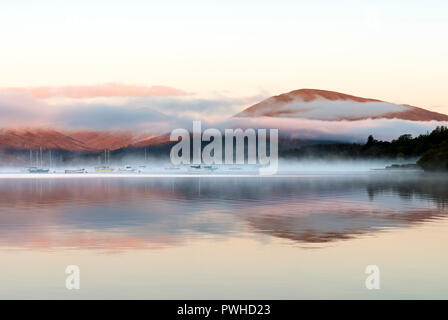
{"x":164,"y":166}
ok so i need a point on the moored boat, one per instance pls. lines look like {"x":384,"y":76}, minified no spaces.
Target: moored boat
{"x":37,"y":170}
{"x":127,"y":168}
{"x":104,"y":169}
{"x":72,"y":171}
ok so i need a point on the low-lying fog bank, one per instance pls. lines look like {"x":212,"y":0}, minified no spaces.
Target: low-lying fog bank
{"x":285,"y":166}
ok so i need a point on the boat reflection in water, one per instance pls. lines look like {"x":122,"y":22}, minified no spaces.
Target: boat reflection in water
{"x":296,"y":236}
{"x":307,"y":209}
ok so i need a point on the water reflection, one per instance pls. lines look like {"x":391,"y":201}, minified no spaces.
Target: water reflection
{"x":133,"y":213}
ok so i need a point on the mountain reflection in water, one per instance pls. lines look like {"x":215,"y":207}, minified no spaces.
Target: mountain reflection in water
{"x":134,"y":213}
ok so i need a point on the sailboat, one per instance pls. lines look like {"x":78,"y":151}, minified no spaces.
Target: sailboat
{"x":143,"y":166}
{"x":127,"y":168}
{"x":105,"y":168}
{"x":38,"y":168}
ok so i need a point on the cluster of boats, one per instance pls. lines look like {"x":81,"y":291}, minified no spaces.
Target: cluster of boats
{"x":103,"y":169}
{"x":126,"y":168}
{"x":106,"y":168}
{"x":129,"y":169}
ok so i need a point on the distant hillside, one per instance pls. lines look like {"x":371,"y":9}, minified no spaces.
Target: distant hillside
{"x":334,"y":106}
{"x":71,"y":140}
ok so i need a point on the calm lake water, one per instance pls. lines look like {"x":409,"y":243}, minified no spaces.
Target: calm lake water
{"x":302,"y":236}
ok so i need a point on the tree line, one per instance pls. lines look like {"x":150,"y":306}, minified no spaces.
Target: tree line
{"x":430,"y":149}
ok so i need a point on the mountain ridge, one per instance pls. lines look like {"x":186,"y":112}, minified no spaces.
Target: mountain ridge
{"x":316,"y":104}
{"x":312,"y":104}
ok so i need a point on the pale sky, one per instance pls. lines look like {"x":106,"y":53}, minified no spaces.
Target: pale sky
{"x":390,"y":50}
